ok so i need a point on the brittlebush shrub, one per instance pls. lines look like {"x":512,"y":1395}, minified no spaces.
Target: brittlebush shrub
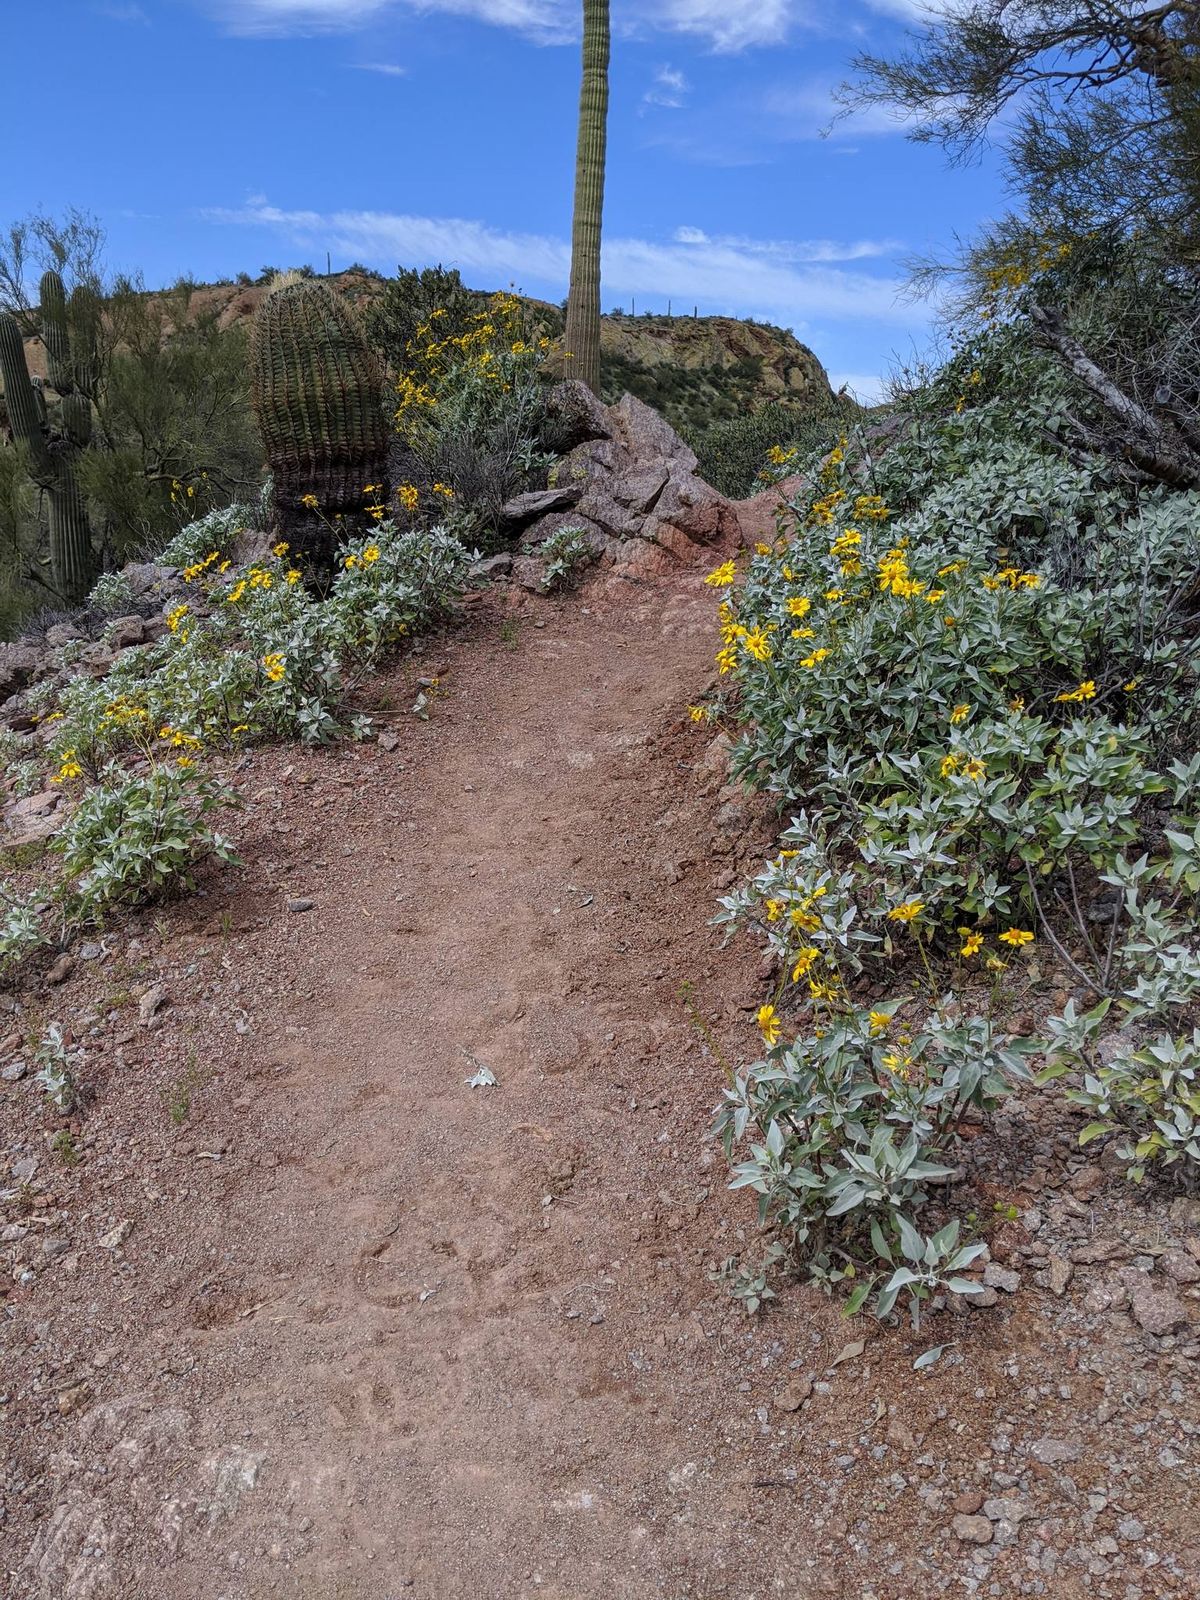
{"x":471,"y":416}
{"x":979,"y":710}
{"x":253,"y":653}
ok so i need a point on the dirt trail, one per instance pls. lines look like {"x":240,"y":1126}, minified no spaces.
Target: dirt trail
{"x":377,"y":1333}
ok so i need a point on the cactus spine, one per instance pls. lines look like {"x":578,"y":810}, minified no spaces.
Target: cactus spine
{"x":318,"y":395}
{"x":582,"y":337}
{"x":54,"y":451}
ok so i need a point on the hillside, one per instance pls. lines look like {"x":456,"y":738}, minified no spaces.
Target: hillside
{"x":695,"y":370}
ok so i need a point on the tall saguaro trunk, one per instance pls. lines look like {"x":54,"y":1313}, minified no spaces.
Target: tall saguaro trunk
{"x":583,"y":306}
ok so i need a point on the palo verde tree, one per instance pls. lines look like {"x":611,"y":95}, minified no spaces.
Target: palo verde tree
{"x":1099,"y":263}
{"x":582,"y":338}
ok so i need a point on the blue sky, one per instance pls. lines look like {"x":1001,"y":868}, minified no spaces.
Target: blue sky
{"x":213,"y":136}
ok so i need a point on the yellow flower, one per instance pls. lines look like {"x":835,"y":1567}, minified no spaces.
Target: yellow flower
{"x":350,"y":563}
{"x":1017,"y":703}
{"x":1016,"y":937}
{"x":726,"y":659}
{"x":408,"y":495}
{"x":975,"y":769}
{"x":804,"y":961}
{"x":293,"y":575}
{"x":960,"y":714}
{"x":815,"y":659}
{"x":1128,"y":688}
{"x":697,"y":713}
{"x":184,"y":762}
{"x":281,"y":549}
{"x":273,"y":665}
{"x":70,"y":768}
{"x":310,"y":501}
{"x":878,"y":1022}
{"x":804,"y":633}
{"x":370,"y":555}
{"x":755,"y":644}
{"x":972,"y":943}
{"x":934,"y":596}
{"x":908,"y":912}
{"x":761,"y":549}
{"x":949,"y":765}
{"x":1085,"y":691}
{"x":774,"y":909}
{"x":175,"y":616}
{"x":769,"y":1025}
{"x":722,"y":576}
{"x":830,"y":990}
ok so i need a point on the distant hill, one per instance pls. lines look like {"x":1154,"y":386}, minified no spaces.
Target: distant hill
{"x":696,"y":371}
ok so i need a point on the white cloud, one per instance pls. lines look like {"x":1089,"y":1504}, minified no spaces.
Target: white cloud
{"x":809,"y":111}
{"x":787,"y":281}
{"x":724,"y":25}
{"x":669,"y":89}
{"x":386,"y":68}
{"x":727,"y":24}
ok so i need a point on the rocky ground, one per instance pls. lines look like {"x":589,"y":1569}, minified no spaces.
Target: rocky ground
{"x":301,"y":1305}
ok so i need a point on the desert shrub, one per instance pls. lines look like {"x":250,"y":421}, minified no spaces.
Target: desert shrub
{"x":734,"y":453}
{"x":112,"y":594}
{"x":255,"y":654}
{"x":968,"y":682}
{"x":138,"y":836}
{"x":565,"y":553}
{"x":471,"y":416}
{"x":216,"y":531}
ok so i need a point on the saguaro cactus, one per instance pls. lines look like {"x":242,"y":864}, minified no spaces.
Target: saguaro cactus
{"x":318,"y":395}
{"x":582,"y":338}
{"x":54,"y":447}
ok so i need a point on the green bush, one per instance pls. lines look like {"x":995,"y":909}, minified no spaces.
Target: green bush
{"x":966,"y":681}
{"x":735,"y":454}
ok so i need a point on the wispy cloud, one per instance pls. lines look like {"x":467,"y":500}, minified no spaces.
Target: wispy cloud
{"x":386,"y":68}
{"x":723,"y":25}
{"x":809,"y":111}
{"x":669,"y":89}
{"x":788,"y":281}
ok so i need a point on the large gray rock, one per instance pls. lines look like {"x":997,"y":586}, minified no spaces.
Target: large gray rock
{"x":650,"y":436}
{"x":640,"y":501}
{"x":523,"y":509}
{"x":577,"y":415}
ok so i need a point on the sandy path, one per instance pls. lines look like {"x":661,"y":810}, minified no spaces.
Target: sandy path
{"x":373,"y":1333}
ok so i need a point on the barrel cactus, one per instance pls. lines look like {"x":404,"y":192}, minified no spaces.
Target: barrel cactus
{"x":318,"y":395}
{"x":54,"y":443}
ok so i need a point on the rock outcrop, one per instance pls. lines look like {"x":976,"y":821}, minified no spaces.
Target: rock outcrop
{"x":633,"y":489}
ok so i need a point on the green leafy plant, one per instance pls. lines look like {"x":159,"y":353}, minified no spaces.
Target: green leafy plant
{"x":565,"y":553}
{"x":135,"y":837}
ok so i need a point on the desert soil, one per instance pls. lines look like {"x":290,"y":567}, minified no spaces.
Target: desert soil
{"x":314,"y":1316}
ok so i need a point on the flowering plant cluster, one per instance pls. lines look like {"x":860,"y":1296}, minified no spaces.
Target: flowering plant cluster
{"x":252,"y":653}
{"x":972,"y":713}
{"x":470,"y":413}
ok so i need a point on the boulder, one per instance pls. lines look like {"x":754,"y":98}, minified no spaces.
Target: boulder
{"x":637,"y":494}
{"x":523,"y":509}
{"x":576,"y":415}
{"x":19,"y":665}
{"x":651,"y":437}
